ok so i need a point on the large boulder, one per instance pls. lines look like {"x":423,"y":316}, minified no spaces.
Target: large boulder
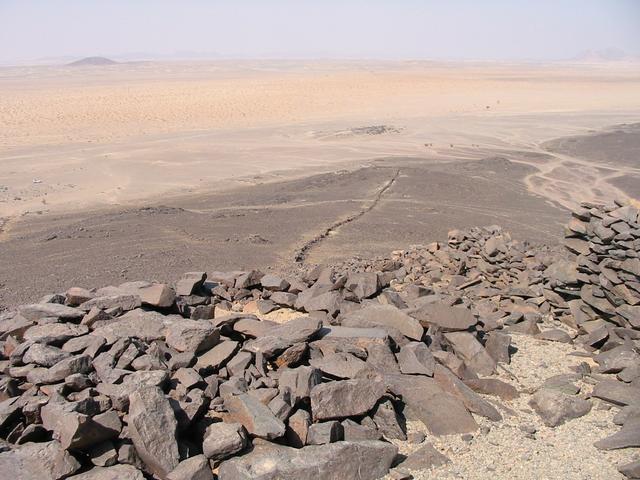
{"x":364,"y":460}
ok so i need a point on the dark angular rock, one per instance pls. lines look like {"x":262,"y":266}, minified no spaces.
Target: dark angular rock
{"x":324,"y":432}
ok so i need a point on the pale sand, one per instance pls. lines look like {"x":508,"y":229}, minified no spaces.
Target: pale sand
{"x":74,"y":138}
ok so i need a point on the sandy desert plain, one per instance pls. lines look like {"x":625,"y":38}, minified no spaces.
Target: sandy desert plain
{"x":147,"y":170}
{"x":254,"y":159}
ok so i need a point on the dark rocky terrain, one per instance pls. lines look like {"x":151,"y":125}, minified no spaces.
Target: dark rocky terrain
{"x":365,"y":211}
{"x":198,"y":378}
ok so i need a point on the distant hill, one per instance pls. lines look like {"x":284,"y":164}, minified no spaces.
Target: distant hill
{"x":92,"y":61}
{"x":607,"y":55}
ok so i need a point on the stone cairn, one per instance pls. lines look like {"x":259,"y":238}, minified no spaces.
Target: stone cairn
{"x":148,"y":380}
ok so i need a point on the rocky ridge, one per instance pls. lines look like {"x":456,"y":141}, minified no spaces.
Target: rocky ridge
{"x":250,"y":375}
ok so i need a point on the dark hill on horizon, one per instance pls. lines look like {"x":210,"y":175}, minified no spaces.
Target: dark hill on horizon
{"x":92,"y":61}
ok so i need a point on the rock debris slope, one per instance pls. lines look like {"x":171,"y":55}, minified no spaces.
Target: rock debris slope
{"x":205,"y":379}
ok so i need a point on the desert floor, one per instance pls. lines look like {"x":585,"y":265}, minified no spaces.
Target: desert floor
{"x":140,"y":170}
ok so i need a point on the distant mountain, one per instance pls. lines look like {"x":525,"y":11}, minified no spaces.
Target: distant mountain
{"x":92,"y":62}
{"x":606,"y":55}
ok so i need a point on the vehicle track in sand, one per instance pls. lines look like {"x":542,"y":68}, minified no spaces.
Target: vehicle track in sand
{"x":302,"y":253}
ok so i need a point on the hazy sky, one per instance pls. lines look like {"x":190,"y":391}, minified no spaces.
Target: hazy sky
{"x":456,"y":29}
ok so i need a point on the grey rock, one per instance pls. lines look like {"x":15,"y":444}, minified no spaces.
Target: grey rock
{"x":192,"y":336}
{"x":300,"y":381}
{"x":38,"y":461}
{"x":425,"y":458}
{"x":194,"y":468}
{"x":274,"y":283}
{"x":388,"y":422}
{"x":339,"y":365}
{"x":415,"y":358}
{"x":72,"y":429}
{"x":345,"y":398}
{"x":325,"y":432}
{"x":556,"y":408}
{"x":56,"y":333}
{"x":298,"y":428}
{"x":62,"y":313}
{"x":190,"y":282}
{"x":617,"y":393}
{"x":125,"y":302}
{"x":215,"y":358}
{"x":257,"y":418}
{"x":152,"y":426}
{"x":116,"y":472}
{"x":630,"y":470}
{"x":365,"y":460}
{"x":385,"y":316}
{"x":363,"y":284}
{"x":425,"y":400}
{"x":103,"y":454}
{"x":222,"y":440}
{"x":284,"y":336}
{"x":446,"y":317}
{"x":472,"y":352}
{"x":627,"y":437}
{"x":44,"y":355}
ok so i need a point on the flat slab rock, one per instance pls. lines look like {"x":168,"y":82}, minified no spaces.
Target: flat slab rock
{"x":363,"y":460}
{"x":448,"y":318}
{"x":385,"y":316}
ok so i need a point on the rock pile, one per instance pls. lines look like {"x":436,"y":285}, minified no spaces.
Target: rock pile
{"x":200,"y":378}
